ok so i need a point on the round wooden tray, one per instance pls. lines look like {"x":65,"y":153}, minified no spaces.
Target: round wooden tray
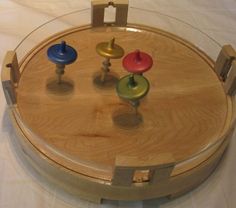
{"x":185,"y":110}
{"x":81,"y":130}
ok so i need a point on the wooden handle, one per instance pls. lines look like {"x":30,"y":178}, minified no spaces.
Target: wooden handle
{"x":224,"y":61}
{"x":230,"y":82}
{"x":157,"y":168}
{"x":225,"y":67}
{"x":98,"y":9}
{"x":10,"y":76}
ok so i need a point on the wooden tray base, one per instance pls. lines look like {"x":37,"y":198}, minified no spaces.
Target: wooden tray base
{"x":82,"y":137}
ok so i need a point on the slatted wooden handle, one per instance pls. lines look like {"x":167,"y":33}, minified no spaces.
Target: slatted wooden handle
{"x":230,"y":82}
{"x":225,"y":67}
{"x":10,"y":76}
{"x":158,"y":167}
{"x":98,"y":10}
{"x":224,"y":61}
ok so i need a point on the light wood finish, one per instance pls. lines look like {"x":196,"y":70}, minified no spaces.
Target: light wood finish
{"x":75,"y":135}
{"x":224,"y":60}
{"x":81,"y":125}
{"x":230,"y":83}
{"x":95,"y":191}
{"x":159,"y":168}
{"x":10,"y":76}
{"x":98,"y":8}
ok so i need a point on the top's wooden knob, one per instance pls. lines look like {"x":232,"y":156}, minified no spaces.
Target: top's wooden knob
{"x":110,"y":49}
{"x":137,"y":62}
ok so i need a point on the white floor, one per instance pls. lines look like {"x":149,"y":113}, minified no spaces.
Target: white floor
{"x":20,"y":188}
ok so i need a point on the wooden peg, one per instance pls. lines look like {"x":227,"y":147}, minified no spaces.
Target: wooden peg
{"x":224,"y":60}
{"x":230,"y":83}
{"x":12,"y":63}
{"x":10,"y":76}
{"x":162,"y":173}
{"x":123,"y":176}
{"x":159,"y":167}
{"x":98,"y":10}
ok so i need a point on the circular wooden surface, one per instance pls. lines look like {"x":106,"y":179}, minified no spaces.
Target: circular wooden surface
{"x":88,"y":125}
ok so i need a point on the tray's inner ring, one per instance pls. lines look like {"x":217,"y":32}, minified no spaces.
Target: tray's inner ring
{"x":183,"y":113}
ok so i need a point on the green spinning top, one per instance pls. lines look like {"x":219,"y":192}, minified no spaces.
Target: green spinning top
{"x":132,"y":87}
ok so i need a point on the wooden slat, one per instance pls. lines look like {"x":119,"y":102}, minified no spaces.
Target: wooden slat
{"x":15,"y":73}
{"x":122,"y":14}
{"x":224,"y":60}
{"x":230,"y":83}
{"x":160,"y":167}
{"x":123,"y":176}
{"x":162,"y":173}
{"x":10,"y":76}
{"x":97,"y":16}
{"x":98,"y":9}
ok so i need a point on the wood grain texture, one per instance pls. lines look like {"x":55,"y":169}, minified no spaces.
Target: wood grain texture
{"x":94,"y":190}
{"x":185,"y":111}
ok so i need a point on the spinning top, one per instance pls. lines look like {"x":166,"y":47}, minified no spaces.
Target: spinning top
{"x":132,"y":87}
{"x":137,"y":62}
{"x":61,"y":54}
{"x":109,"y":50}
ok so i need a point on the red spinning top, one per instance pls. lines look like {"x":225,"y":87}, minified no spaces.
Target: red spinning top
{"x":137,"y":62}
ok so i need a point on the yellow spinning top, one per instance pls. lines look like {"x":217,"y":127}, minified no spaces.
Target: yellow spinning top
{"x":109,"y":50}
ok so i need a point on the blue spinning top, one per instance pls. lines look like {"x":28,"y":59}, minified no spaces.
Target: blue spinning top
{"x":62,"y":54}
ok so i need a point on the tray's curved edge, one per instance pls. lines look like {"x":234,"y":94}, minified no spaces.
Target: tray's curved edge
{"x":96,"y":190}
{"x":106,"y":173}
